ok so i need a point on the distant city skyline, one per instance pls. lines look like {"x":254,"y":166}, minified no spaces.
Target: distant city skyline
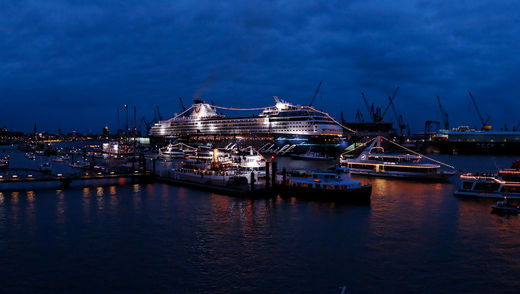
{"x":71,"y":66}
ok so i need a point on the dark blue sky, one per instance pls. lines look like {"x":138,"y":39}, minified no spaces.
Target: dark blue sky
{"x":71,"y":64}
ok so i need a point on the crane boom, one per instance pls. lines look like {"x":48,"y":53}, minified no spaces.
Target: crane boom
{"x":159,"y":116}
{"x":370,"y":110}
{"x":484,"y":122}
{"x":315,"y":94}
{"x":391,"y":102}
{"x":444,"y":115}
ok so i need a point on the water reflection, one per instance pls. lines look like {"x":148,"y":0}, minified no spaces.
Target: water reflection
{"x":60,"y":207}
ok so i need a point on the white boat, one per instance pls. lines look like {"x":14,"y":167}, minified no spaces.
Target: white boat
{"x":30,"y":156}
{"x":80,"y":164}
{"x":487,"y":186}
{"x":61,"y":158}
{"x":373,"y":161}
{"x":283,"y":119}
{"x":176,"y":151}
{"x":326,"y":186}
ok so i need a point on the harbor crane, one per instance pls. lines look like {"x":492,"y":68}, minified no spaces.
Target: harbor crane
{"x":444,"y":115}
{"x":359,"y":116}
{"x":373,"y":112}
{"x":485,"y":125}
{"x":391,"y":101}
{"x":315,"y":94}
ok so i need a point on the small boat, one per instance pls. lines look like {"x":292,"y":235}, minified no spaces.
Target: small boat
{"x":30,"y":156}
{"x":80,"y":164}
{"x":40,"y":152}
{"x":374,"y":161}
{"x":504,"y":207}
{"x":4,"y":162}
{"x":326,"y":186}
{"x":487,"y":186}
{"x":61,"y":158}
{"x":45,"y":167}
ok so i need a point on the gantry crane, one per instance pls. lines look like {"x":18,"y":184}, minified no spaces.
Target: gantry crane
{"x":485,"y":125}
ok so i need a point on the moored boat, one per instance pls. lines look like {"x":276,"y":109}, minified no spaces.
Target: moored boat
{"x":326,"y":186}
{"x":487,"y":186}
{"x":45,"y":167}
{"x":374,"y":161}
{"x":504,"y":207}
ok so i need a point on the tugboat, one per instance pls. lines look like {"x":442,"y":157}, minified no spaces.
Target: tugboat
{"x":504,"y":207}
{"x":326,"y":186}
{"x":373,"y":161}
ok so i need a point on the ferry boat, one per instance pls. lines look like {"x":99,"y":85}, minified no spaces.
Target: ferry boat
{"x":173,"y":151}
{"x":327,"y":187}
{"x":373,"y":161}
{"x":487,"y":186}
{"x":282,"y":119}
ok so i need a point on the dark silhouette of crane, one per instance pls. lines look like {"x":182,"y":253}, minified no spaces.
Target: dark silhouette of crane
{"x":444,"y":115}
{"x":359,"y":116}
{"x":390,"y":103}
{"x":485,"y":125}
{"x":315,"y":94}
{"x":373,"y":112}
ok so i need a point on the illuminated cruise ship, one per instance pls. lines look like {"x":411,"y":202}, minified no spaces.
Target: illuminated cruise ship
{"x":282,"y":119}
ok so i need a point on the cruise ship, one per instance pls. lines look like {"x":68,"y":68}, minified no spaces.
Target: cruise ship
{"x":281,"y":120}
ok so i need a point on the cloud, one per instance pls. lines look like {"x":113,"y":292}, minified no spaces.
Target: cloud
{"x":91,"y":57}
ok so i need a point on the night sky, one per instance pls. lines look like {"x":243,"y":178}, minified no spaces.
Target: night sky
{"x":72,"y":64}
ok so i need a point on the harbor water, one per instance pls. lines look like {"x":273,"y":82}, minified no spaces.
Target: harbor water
{"x":122,"y":237}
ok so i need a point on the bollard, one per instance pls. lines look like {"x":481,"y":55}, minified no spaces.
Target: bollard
{"x":267,"y":176}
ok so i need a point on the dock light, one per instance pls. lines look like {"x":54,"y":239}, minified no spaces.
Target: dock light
{"x":112,"y":172}
{"x":30,"y":176}
{"x":86,"y":174}
{"x":99,"y":173}
{"x":1,"y":177}
{"x":15,"y":176}
{"x":59,"y":175}
{"x":136,"y":171}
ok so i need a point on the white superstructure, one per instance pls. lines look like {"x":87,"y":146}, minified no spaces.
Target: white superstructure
{"x":281,"y":119}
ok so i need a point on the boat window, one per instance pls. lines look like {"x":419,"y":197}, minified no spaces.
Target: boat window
{"x":410,"y":169}
{"x":467,"y":185}
{"x":511,"y":189}
{"x":362,"y":166}
{"x":487,"y":186}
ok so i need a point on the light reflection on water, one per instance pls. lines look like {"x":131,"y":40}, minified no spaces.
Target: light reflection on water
{"x":413,"y":237}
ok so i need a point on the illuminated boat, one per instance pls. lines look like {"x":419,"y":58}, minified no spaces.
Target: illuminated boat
{"x":487,"y":186}
{"x":282,"y":119}
{"x":373,"y":161}
{"x":324,"y":186}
